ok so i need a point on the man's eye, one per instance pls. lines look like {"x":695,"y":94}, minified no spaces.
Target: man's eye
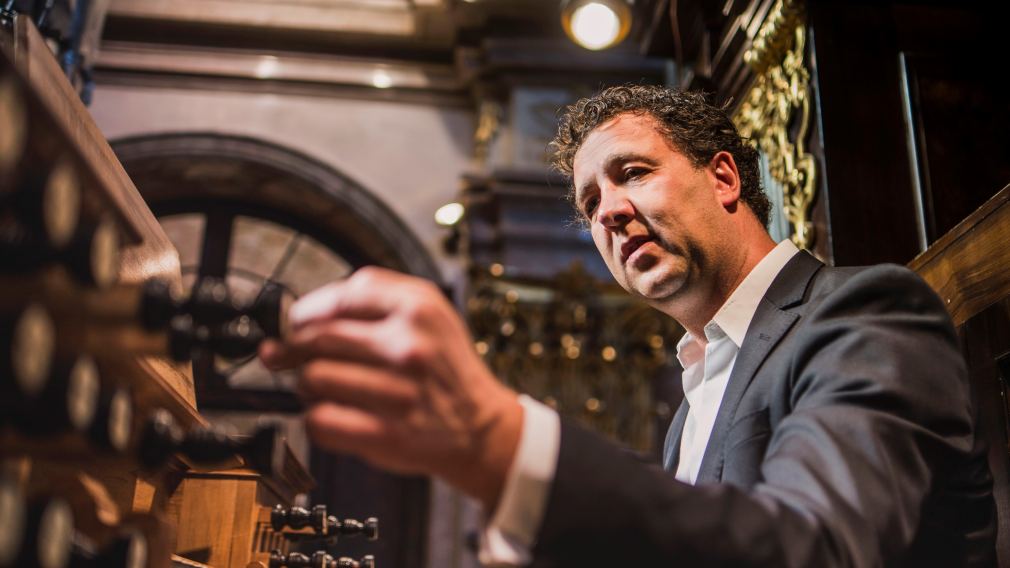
{"x":590,"y":206}
{"x":633,"y":173}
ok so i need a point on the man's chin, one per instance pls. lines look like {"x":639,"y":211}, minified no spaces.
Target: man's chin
{"x":655,"y":288}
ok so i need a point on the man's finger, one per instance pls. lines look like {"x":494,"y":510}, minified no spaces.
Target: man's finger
{"x":277,"y":356}
{"x":369,"y":293}
{"x":361,"y":386}
{"x":344,"y":339}
{"x":342,"y":428}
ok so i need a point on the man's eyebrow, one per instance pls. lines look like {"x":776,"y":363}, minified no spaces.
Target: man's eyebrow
{"x":625,"y":157}
{"x":614,"y":161}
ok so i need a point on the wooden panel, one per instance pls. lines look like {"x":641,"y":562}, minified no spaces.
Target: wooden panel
{"x":968,"y":266}
{"x":206,"y":519}
{"x":246,"y":515}
{"x":224,"y":515}
{"x":986,"y":338}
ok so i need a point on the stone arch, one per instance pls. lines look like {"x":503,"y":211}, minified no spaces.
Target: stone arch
{"x":279,"y":183}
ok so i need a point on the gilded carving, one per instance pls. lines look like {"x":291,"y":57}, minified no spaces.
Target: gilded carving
{"x":489,"y":117}
{"x":590,"y":354}
{"x":779,"y":96}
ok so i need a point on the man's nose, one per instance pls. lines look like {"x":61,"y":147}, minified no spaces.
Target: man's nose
{"x":615,"y":209}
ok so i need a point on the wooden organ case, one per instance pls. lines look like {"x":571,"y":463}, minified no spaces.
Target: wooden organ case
{"x":104,"y":459}
{"x":968,"y":269}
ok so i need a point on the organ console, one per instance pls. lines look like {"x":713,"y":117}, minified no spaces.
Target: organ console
{"x":104,"y":459}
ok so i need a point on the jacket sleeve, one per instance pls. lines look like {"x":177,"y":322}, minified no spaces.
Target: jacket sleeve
{"x":878,"y":406}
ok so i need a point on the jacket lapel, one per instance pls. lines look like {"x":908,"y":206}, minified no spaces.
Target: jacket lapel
{"x":671,"y":448}
{"x":770,"y":323}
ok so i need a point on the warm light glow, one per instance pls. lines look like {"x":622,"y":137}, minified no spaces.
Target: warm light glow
{"x":267,"y":67}
{"x":381,"y":79}
{"x":449,"y":214}
{"x":595,"y":25}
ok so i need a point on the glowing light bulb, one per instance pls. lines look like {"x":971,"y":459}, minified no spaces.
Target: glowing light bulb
{"x":449,"y":214}
{"x":381,"y":79}
{"x":595,"y":26}
{"x":267,"y":67}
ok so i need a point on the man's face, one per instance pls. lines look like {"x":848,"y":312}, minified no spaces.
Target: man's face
{"x":658,"y":221}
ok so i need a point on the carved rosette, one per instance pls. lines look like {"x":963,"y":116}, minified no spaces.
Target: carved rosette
{"x":778,"y":100}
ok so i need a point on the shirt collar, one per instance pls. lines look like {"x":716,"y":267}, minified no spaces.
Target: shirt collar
{"x":734,"y":317}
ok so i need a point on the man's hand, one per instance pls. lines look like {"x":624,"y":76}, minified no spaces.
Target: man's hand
{"x":389,"y":373}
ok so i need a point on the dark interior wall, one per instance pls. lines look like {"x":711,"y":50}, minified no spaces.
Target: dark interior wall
{"x":913,"y":121}
{"x":911,"y":110}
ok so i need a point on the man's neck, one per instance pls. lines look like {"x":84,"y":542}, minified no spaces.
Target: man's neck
{"x":694,"y":313}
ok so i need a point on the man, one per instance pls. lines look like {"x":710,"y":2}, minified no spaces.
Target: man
{"x":828,"y":420}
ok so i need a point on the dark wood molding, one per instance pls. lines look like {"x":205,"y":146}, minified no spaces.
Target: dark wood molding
{"x":968,"y":265}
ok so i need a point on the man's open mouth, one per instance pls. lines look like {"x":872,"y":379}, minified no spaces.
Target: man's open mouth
{"x":631,"y":245}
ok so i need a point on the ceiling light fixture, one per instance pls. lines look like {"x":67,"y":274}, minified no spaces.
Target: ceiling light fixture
{"x":596,"y":24}
{"x":381,"y":79}
{"x":449,"y":214}
{"x":267,"y":67}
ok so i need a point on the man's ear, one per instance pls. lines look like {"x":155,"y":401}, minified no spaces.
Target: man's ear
{"x":726,"y":176}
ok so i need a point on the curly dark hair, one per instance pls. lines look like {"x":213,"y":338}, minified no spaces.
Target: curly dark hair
{"x":695,"y":127}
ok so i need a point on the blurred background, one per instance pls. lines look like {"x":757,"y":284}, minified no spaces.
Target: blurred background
{"x":297,"y":140}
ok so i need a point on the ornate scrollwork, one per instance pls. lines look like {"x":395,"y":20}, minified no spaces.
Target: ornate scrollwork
{"x":780,"y":91}
{"x":590,"y":354}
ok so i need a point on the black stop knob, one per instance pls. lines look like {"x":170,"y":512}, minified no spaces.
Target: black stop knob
{"x":298,"y":560}
{"x":68,"y":400}
{"x":161,"y":437}
{"x":112,"y":428}
{"x":13,"y":518}
{"x":263,"y":451}
{"x":352,"y":527}
{"x":270,"y":309}
{"x":299,"y":518}
{"x":238,"y":338}
{"x":50,"y":535}
{"x":211,"y":303}
{"x":158,"y":304}
{"x":344,"y":562}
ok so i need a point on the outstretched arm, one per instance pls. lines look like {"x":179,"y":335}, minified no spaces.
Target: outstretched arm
{"x":389,"y":373}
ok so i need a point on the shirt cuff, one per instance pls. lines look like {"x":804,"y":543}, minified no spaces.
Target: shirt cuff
{"x":509,"y":538}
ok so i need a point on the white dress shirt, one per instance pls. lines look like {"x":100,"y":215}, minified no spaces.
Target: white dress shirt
{"x":509,"y":537}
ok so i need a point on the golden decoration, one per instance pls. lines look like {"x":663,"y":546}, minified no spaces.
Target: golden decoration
{"x":781,"y":89}
{"x":591,"y":353}
{"x":489,"y":117}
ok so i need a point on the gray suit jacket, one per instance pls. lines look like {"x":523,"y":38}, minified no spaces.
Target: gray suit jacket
{"x":845,"y":438}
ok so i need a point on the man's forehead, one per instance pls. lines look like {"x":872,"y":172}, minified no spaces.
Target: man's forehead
{"x":629,"y":128}
{"x":625,"y":136}
{"x":627,"y":120}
